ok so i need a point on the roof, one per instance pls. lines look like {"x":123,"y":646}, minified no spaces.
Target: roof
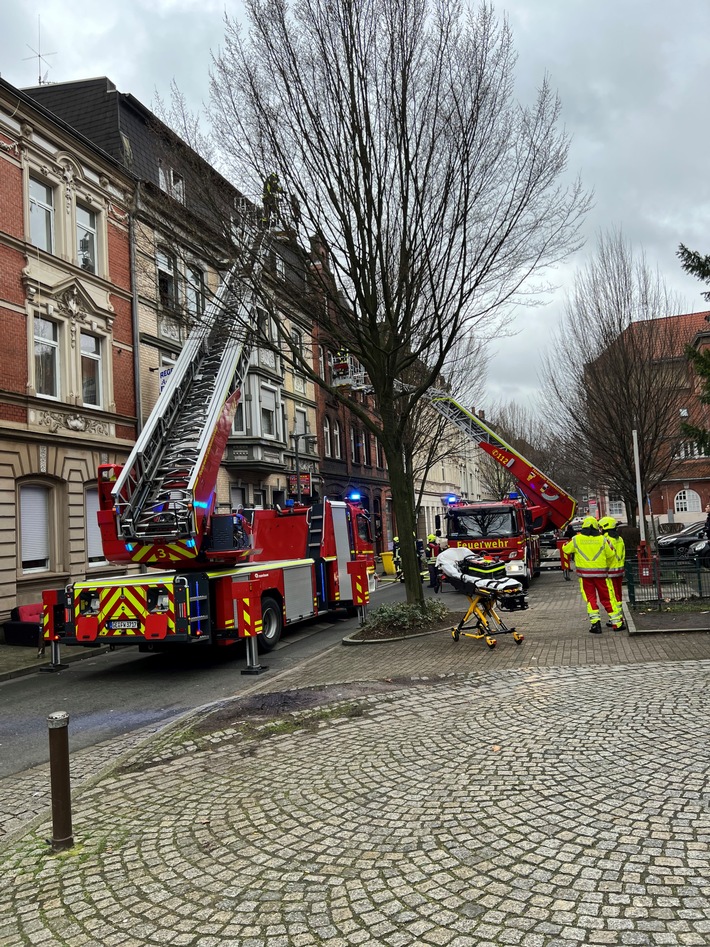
{"x":676,"y":332}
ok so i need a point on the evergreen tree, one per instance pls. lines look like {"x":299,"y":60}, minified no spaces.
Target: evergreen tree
{"x":698,"y":266}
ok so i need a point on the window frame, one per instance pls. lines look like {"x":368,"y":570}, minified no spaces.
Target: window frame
{"x":170,"y":270}
{"x":48,"y":492}
{"x":95,"y":562}
{"x":327,"y":446}
{"x":50,"y":210}
{"x":337,"y":442}
{"x":99,"y":360}
{"x":79,"y":205}
{"x":56,"y":345}
{"x":269,"y":389}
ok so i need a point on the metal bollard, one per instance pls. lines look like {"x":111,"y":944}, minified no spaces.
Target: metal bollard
{"x":58,"y":724}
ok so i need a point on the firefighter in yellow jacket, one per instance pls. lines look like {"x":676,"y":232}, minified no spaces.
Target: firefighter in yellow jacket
{"x":609,"y":527}
{"x":593,"y":555}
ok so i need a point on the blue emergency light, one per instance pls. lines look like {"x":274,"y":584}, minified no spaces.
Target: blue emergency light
{"x":353,"y":495}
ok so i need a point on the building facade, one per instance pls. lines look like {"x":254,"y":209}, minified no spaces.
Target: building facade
{"x":68,"y":395}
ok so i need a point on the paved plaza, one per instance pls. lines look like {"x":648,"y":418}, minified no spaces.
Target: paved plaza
{"x":555,"y":793}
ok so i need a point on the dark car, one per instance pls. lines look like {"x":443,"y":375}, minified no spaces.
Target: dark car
{"x":678,"y":544}
{"x":700,"y":552}
{"x":549,"y":540}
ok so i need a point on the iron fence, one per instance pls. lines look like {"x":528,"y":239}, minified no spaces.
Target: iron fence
{"x":663,"y":580}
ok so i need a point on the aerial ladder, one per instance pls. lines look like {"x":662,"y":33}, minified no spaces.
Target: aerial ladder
{"x":157,"y":507}
{"x":550,"y":505}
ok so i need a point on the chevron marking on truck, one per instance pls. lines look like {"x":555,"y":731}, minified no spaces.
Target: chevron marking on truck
{"x":170,"y":552}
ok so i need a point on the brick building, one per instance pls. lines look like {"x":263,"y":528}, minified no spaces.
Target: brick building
{"x":68,"y":393}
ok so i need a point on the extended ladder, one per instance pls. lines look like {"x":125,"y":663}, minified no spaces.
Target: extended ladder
{"x":155,"y":495}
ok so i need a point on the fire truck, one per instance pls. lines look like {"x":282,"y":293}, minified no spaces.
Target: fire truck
{"x":509,"y":528}
{"x":207,"y":577}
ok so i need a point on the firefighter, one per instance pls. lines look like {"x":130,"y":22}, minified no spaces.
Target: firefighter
{"x":432,"y":551}
{"x":593,"y":556}
{"x":397,"y":559}
{"x":271,"y":197}
{"x":341,"y":362}
{"x":610,"y":529}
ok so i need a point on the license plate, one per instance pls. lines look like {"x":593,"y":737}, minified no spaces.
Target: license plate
{"x":123,"y":623}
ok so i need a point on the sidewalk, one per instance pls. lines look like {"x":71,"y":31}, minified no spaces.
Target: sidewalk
{"x":541,"y":795}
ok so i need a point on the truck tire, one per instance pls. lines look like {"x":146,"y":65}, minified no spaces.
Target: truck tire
{"x":525,"y":581}
{"x":271,"y":624}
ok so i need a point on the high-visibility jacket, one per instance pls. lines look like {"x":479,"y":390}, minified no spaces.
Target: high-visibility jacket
{"x":432,"y":551}
{"x":619,"y":550}
{"x":593,"y":555}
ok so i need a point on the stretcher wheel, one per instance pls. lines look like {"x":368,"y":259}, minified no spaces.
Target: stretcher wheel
{"x":517,"y":638}
{"x":455,"y":634}
{"x":491,"y":642}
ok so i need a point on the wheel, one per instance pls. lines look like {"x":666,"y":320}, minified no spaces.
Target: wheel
{"x":455,"y":634}
{"x":271,"y":624}
{"x":525,"y":581}
{"x":491,"y":642}
{"x":518,"y":638}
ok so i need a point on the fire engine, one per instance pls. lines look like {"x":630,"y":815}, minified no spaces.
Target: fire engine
{"x":208,"y":577}
{"x":509,"y":528}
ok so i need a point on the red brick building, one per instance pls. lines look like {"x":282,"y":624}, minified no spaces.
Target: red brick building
{"x":67,"y":394}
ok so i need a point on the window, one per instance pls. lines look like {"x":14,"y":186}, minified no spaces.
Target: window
{"x":327,"y":449}
{"x":91,"y":370}
{"x":238,"y":423}
{"x":268,"y":412}
{"x":617,"y":509}
{"x":46,"y":350}
{"x":280,"y":266}
{"x":379,"y":454}
{"x":41,"y":215}
{"x":259,"y":499}
{"x":171,"y":183}
{"x":366,"y":458}
{"x":354,"y":445}
{"x":86,"y":238}
{"x":299,"y":422}
{"x":166,"y":279}
{"x":321,"y":361}
{"x":195,"y":292}
{"x":687,"y":501}
{"x":94,"y":546}
{"x":337,"y":446}
{"x":34,"y":528}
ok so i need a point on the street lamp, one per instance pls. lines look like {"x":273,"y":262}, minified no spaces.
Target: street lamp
{"x":309,"y":439}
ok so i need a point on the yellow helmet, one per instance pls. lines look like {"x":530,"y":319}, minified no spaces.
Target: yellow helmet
{"x":606,"y":523}
{"x":431,"y":538}
{"x":396,"y":539}
{"x":590,"y":522}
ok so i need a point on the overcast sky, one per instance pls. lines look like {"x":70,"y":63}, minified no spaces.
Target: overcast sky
{"x":633,"y":77}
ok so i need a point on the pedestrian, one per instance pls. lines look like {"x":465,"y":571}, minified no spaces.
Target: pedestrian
{"x":432,"y":551}
{"x":592,"y":558}
{"x":610,"y":529}
{"x":707,"y":521}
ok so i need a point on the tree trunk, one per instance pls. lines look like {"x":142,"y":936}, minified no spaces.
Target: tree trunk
{"x":403,"y":502}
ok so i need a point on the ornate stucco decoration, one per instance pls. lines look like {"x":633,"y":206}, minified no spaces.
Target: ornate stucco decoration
{"x":56,"y":421}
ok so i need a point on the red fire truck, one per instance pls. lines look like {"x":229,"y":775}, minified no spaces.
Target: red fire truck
{"x":211,"y":577}
{"x":509,"y":528}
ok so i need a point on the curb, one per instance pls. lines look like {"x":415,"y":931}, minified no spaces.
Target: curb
{"x":26,"y":669}
{"x":633,"y":630}
{"x":420,"y":634}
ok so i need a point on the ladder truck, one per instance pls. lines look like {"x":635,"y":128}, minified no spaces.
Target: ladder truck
{"x":209,"y":578}
{"x":508,"y":529}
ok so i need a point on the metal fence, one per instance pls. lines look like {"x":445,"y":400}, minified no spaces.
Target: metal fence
{"x":664,"y":580}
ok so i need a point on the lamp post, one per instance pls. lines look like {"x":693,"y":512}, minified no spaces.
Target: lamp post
{"x":309,"y":439}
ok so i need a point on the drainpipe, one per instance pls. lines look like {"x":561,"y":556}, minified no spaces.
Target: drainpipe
{"x":134,"y":314}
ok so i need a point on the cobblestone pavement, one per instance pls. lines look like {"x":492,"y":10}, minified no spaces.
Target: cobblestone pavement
{"x":550,"y":794}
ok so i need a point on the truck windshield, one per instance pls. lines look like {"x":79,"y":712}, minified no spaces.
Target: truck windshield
{"x":483,"y":523}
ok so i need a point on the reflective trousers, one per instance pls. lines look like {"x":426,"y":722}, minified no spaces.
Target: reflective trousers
{"x":599,"y":590}
{"x":615,"y":584}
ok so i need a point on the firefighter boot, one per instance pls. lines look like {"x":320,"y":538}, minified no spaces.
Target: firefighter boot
{"x":596,"y":627}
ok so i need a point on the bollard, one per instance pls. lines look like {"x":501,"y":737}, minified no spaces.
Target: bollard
{"x":58,"y":724}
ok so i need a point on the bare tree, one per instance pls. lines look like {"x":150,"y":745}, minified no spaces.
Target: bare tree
{"x":615,"y":367}
{"x":397,"y":143}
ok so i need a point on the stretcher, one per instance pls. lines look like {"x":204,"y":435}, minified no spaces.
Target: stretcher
{"x":485,"y":584}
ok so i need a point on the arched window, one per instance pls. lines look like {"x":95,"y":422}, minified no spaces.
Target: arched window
{"x":35,"y":505}
{"x":337,"y":446}
{"x":687,"y":501}
{"x":326,"y":437}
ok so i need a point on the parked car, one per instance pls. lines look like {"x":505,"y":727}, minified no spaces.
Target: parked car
{"x":701,"y":552}
{"x":549,"y":540}
{"x":678,"y":544}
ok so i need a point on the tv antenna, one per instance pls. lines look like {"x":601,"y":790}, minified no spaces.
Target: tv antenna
{"x":39,"y":56}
